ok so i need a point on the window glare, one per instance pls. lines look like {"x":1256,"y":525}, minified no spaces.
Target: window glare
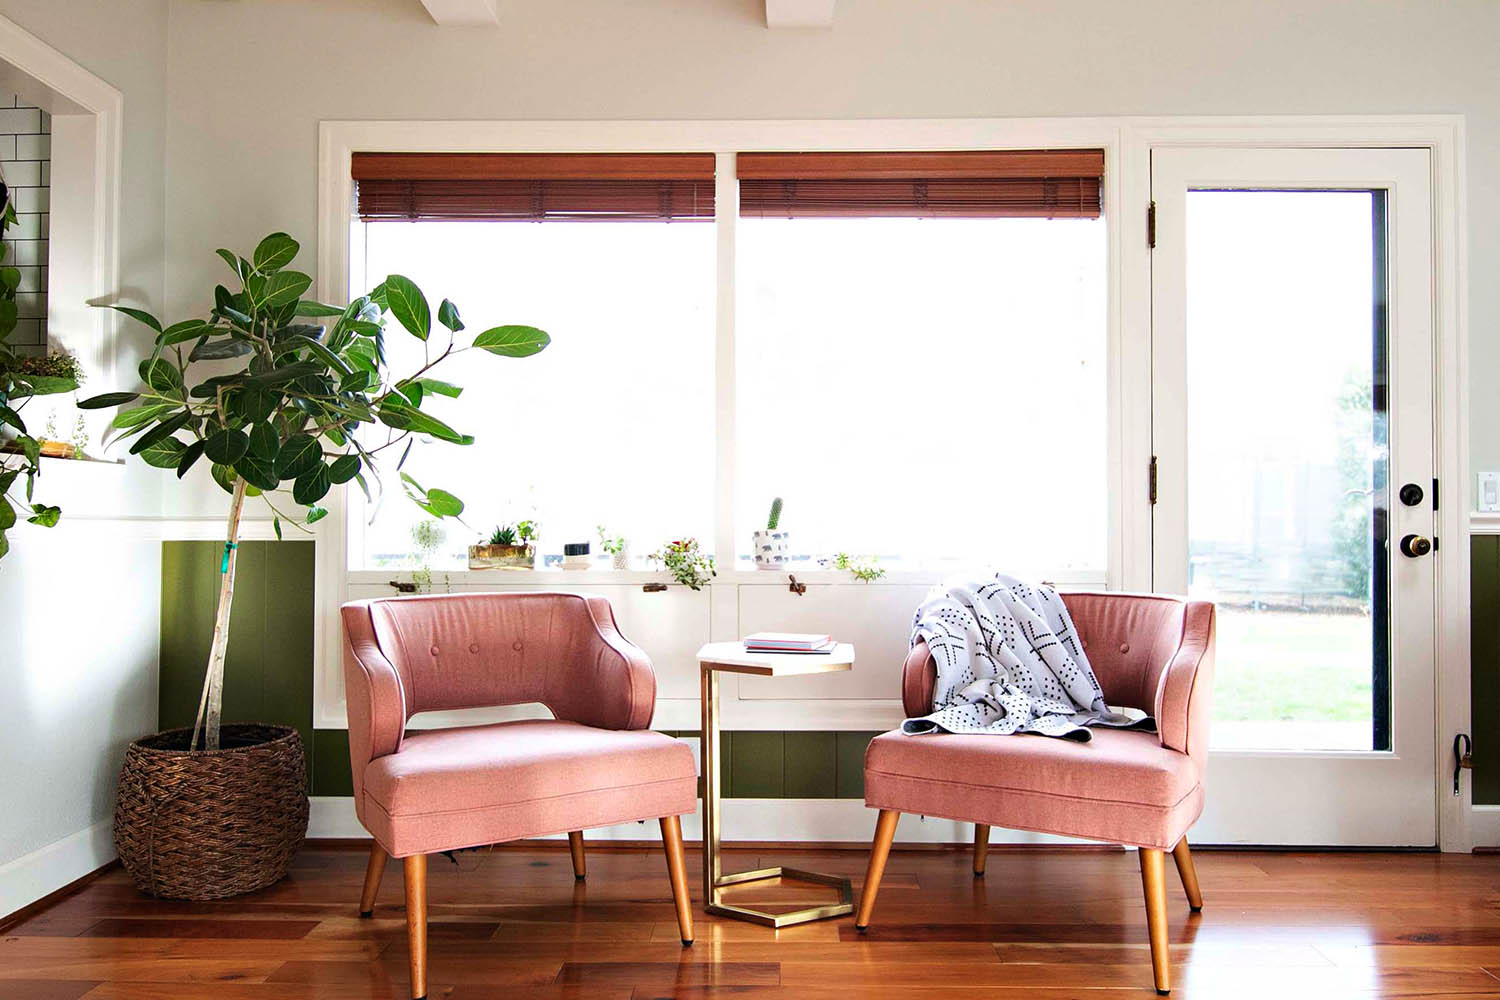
{"x":928,"y":391}
{"x":612,"y":424}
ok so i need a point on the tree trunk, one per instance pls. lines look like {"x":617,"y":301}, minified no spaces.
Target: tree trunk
{"x":211,"y":703}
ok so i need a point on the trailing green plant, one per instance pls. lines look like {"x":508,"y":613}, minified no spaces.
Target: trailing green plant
{"x":862,"y":567}
{"x":503,"y":535}
{"x":686,"y":562}
{"x":526,"y":531}
{"x":613,"y":545}
{"x":80,"y":436}
{"x":21,"y":379}
{"x":310,"y":404}
{"x":775,"y":518}
{"x":427,"y":537}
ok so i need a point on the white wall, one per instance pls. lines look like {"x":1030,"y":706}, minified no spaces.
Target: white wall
{"x":79,"y":619}
{"x":241,"y":146}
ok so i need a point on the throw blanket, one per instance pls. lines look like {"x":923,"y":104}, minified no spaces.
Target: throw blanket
{"x":1009,"y":661}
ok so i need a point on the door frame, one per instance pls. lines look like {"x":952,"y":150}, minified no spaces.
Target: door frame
{"x":1443,"y":136}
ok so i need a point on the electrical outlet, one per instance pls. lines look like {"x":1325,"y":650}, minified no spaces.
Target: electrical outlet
{"x":1488,"y":495}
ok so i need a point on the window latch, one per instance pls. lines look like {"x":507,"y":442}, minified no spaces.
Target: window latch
{"x":1463,"y":758}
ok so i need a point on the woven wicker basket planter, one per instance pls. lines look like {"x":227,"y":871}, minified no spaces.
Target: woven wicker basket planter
{"x":211,"y":824}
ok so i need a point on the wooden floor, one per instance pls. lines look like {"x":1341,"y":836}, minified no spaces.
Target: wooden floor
{"x":513,"y":925}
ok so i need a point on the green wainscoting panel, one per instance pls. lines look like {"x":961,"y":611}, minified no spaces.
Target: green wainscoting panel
{"x":809,"y":765}
{"x":1484,"y":668}
{"x":754,"y":767}
{"x":330,"y":763}
{"x":851,"y":764}
{"x":268,"y":666}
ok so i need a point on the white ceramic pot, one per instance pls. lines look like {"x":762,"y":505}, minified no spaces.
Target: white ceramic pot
{"x":770,"y":549}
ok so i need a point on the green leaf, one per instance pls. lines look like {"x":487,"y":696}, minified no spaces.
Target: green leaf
{"x":440,"y":387}
{"x":224,"y":476}
{"x":276,"y":527}
{"x":355,"y":382}
{"x":47,"y":385}
{"x":299,"y":455}
{"x":307,"y":307}
{"x":233,"y":261}
{"x":7,"y":514}
{"x":160,"y":432}
{"x":188,"y":329}
{"x":513,"y":341}
{"x":284,"y":288}
{"x":316,"y":514}
{"x":10,"y":278}
{"x":448,"y":316}
{"x":162,"y":376}
{"x":441,"y":503}
{"x":9,"y":416}
{"x":322,"y":353}
{"x":9,"y":315}
{"x":405,"y":417}
{"x":140,"y":315}
{"x":44,"y":515}
{"x":275,"y":252}
{"x":226,"y":447}
{"x":257,"y":473}
{"x":193,"y":453}
{"x":264,"y":442}
{"x":257,"y":404}
{"x":284,"y":374}
{"x":311,"y":486}
{"x":165,"y":453}
{"x":343,"y":468}
{"x":108,"y":399}
{"x":409,"y":306}
{"x":140,"y":415}
{"x":218,"y":350}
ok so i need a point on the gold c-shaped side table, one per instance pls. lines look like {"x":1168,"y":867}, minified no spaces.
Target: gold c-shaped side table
{"x":731,"y":657}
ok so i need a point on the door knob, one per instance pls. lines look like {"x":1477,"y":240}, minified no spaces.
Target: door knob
{"x":1415,"y":545}
{"x":1411,"y":494}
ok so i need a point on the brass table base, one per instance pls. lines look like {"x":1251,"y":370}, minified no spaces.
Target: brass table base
{"x":843,"y":907}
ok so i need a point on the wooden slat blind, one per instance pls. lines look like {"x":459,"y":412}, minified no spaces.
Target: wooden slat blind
{"x":954,"y":185}
{"x":534,"y":187}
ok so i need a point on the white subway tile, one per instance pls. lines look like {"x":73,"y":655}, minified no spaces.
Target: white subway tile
{"x":23,"y":253}
{"x":28,"y":333}
{"x":31,"y":199}
{"x":22,"y":173}
{"x":31,"y":305}
{"x":33,"y":147}
{"x":20,"y":121}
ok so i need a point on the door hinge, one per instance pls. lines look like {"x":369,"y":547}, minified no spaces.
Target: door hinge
{"x":1151,"y":226}
{"x":1463,"y":758}
{"x":1434,"y":493}
{"x":1151,"y":479}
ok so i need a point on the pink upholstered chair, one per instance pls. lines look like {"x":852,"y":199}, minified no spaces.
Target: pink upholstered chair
{"x":594,"y":764}
{"x":1134,"y":788}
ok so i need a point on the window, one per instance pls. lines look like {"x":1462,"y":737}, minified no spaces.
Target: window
{"x":613,"y":423}
{"x":921,"y":357}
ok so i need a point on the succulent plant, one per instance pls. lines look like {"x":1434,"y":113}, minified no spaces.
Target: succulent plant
{"x":503,"y":535}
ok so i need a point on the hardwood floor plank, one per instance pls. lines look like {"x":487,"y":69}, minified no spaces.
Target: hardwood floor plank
{"x":280,"y":930}
{"x":676,"y":975}
{"x":43,"y":989}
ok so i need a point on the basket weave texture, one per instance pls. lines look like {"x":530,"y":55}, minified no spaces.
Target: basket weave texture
{"x":211,"y":824}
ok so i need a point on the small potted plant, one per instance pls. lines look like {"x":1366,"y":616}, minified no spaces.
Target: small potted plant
{"x":510,"y":546}
{"x":686,"y":562}
{"x":770,"y":544}
{"x":616,"y":547}
{"x":59,"y":371}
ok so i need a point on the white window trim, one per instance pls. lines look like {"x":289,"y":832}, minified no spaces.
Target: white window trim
{"x":1127,"y":143}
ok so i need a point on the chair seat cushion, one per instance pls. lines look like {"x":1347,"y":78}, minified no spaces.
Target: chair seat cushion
{"x":473,"y":785}
{"x":1121,"y":787}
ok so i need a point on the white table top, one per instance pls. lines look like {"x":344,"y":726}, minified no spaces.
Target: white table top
{"x":733,"y":657}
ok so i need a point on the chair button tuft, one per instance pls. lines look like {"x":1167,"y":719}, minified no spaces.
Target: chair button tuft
{"x":473,"y":647}
{"x":1124,"y":647}
{"x":433,"y":651}
{"x":516,"y":645}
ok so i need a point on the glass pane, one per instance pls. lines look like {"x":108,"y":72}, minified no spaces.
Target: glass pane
{"x":612,"y":424}
{"x":927,"y":391}
{"x":1287,"y":456}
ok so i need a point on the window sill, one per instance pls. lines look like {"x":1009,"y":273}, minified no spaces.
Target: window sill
{"x":1072,"y":580}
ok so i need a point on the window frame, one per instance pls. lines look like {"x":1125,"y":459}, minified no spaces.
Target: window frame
{"x":1127,"y":142}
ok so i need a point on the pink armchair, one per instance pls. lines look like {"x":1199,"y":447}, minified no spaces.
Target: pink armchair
{"x":593,"y":764}
{"x":1134,"y":788}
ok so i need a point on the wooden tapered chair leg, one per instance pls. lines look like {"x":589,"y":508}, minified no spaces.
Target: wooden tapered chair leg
{"x":981,"y":848}
{"x":1154,"y":881}
{"x":671,"y":839}
{"x":373,"y":871}
{"x":1189,"y":872}
{"x":575,"y":847}
{"x":416,"y":922}
{"x":885,"y":832}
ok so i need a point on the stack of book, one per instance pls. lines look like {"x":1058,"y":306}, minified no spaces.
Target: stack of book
{"x":788,"y":642}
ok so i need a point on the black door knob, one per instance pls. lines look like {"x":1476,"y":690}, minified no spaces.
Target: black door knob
{"x":1415,"y":545}
{"x":1411,"y":494}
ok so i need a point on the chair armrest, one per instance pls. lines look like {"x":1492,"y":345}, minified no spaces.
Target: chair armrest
{"x":373,"y":692}
{"x":608,"y":680}
{"x":918,"y":680}
{"x":1184,"y":690}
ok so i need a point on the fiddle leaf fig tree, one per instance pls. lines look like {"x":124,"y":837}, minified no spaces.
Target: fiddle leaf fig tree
{"x":306,"y":404}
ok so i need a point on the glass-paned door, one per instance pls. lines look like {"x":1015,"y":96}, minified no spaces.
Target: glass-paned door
{"x":1292,"y":424}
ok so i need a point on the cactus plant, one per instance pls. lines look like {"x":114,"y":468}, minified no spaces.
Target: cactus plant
{"x":505,"y":535}
{"x":775,"y":518}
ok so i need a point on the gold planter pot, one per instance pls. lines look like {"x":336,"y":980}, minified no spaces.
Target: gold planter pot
{"x":502,"y":556}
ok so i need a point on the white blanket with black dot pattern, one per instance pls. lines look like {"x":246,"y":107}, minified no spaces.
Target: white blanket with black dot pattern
{"x":1009,"y":661}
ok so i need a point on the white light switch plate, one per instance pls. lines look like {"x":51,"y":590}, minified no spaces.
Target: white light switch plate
{"x":1488,"y":494}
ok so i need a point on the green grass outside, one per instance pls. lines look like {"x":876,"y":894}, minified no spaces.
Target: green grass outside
{"x":1285,"y":666}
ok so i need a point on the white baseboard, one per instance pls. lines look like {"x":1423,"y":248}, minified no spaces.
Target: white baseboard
{"x":1484,"y":826}
{"x":32,"y":876}
{"x":810,"y":821}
